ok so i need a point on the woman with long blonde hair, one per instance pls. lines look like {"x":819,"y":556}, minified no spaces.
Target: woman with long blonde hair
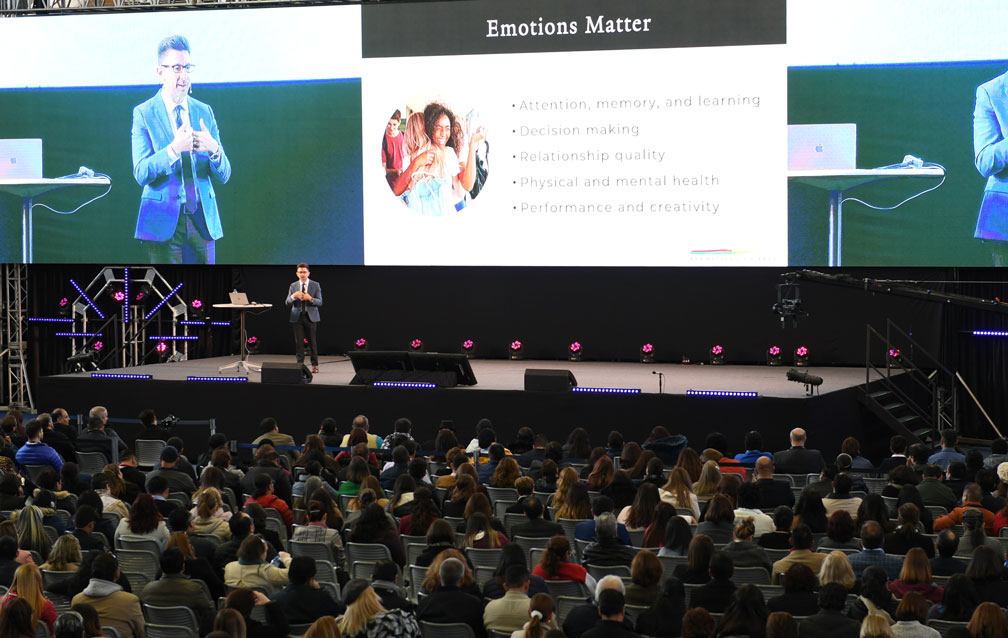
{"x":209,"y":515}
{"x":480,"y":534}
{"x":568,"y":477}
{"x":31,"y":532}
{"x":366,"y":616}
{"x":324,"y":627}
{"x":706,"y":487}
{"x":678,"y":492}
{"x":65,"y":555}
{"x":27,"y":586}
{"x":876,"y":626}
{"x":577,"y":505}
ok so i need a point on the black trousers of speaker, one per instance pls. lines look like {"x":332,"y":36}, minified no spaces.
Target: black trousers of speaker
{"x":285,"y":373}
{"x":549,"y":380}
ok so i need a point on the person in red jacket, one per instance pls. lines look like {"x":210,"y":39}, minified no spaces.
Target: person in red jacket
{"x":263,"y":495}
{"x":555,"y":564}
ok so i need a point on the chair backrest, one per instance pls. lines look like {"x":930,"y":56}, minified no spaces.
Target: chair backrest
{"x":669,"y":564}
{"x":137,"y":580}
{"x":417,"y":574}
{"x":535,"y":556}
{"x":155,"y":630}
{"x":50,"y":577}
{"x":564,"y":605}
{"x":361,"y":558}
{"x":508,"y":494}
{"x":776,"y":554}
{"x":445,"y":630}
{"x":599,"y":571}
{"x":770,"y":591}
{"x":892,"y":503}
{"x":112,"y":632}
{"x":344,"y":501}
{"x":544,"y":497}
{"x":126,"y":541}
{"x":754,"y":575}
{"x":497,"y":633}
{"x":484,"y":574}
{"x":566,"y":588}
{"x":527,"y":543}
{"x":139,"y":561}
{"x":633,"y":611}
{"x":50,"y":532}
{"x":42,"y":630}
{"x":483,"y":557}
{"x":413,"y":551}
{"x":318,"y":551}
{"x":636,"y":537}
{"x":568,"y":525}
{"x":178,"y":615}
{"x":91,"y":462}
{"x":210,"y":538}
{"x":944,"y":626}
{"x":35,"y":470}
{"x":325,"y":572}
{"x":148,"y":452}
{"x":579,"y":547}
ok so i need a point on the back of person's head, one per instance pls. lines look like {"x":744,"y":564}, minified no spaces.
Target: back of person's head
{"x":516,"y":576}
{"x":485,"y":438}
{"x":240,"y":526}
{"x":385,"y":570}
{"x":912,"y":606}
{"x":104,"y":566}
{"x":301,"y":570}
{"x":781,"y":624}
{"x":842,"y":484}
{"x":949,"y":437}
{"x":241,"y":600}
{"x":932,"y":471}
{"x":611,"y":603}
{"x":533,"y":507}
{"x":801,"y":537}
{"x":70,"y":624}
{"x":748,"y":496}
{"x":84,"y":516}
{"x":89,"y":615}
{"x":451,"y":572}
{"x":947,"y":543}
{"x":601,"y":505}
{"x":605,"y":525}
{"x":833,"y":597}
{"x":496,"y":452}
{"x":172,"y":560}
{"x":799,"y":578}
{"x":698,"y":623}
{"x":876,"y":626}
{"x":753,"y":441}
{"x":999,"y":446}
{"x":957,"y":470}
{"x":783,"y":516}
{"x":872,"y":535}
{"x":8,"y":547}
{"x":919,"y":453}
{"x":721,"y":566}
{"x":267,"y":425}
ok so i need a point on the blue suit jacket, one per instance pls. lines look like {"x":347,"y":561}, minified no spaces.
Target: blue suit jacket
{"x":161,"y":180}
{"x":315,"y":290}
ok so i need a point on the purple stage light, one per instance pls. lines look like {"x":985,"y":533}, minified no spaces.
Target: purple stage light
{"x":575,"y":346}
{"x":360,"y":343}
{"x":774,"y":350}
{"x":801,"y":351}
{"x":253,"y":340}
{"x":119,"y":295}
{"x":63,"y":302}
{"x":98,"y":345}
{"x":196,"y":304}
{"x":716,"y":350}
{"x":161,"y":347}
{"x":416,"y":344}
{"x":647,"y":348}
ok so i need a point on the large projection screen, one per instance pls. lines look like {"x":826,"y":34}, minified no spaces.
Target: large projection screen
{"x":531,"y":133}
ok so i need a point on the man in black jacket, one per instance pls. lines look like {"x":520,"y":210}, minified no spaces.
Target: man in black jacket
{"x":611,"y":610}
{"x":898,"y":446}
{"x":716,"y":595}
{"x":773,"y":492}
{"x":607,"y":550}
{"x":799,"y":459}
{"x":84,"y":525}
{"x":57,"y":440}
{"x":385,"y":582}
{"x":151,"y":430}
{"x":268,"y":463}
{"x":449,"y":604}
{"x":536,"y":527}
{"x":584,"y":617}
{"x":304,"y":601}
{"x":830,"y":622}
{"x":945,"y":563}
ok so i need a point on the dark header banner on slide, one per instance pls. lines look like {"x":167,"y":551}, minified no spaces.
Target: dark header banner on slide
{"x":527,"y":26}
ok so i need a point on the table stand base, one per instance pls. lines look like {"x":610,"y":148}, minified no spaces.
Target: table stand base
{"x":243,"y":367}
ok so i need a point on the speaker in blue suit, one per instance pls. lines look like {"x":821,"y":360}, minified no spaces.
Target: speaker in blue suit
{"x":176,"y":150}
{"x":305,"y":298}
{"x":990,"y":153}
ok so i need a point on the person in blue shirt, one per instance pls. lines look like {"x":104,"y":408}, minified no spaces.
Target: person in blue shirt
{"x":753,"y":446}
{"x":948,"y":453}
{"x":35,"y":452}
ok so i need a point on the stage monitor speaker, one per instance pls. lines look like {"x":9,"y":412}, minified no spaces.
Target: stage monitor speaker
{"x":285,"y":373}
{"x":542,"y":380}
{"x":443,"y":370}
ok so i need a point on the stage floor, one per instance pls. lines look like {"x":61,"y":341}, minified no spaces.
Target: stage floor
{"x":498,"y":374}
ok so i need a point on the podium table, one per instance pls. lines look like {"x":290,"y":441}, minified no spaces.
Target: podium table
{"x":242,"y":365}
{"x":29,"y":189}
{"x":840,"y":182}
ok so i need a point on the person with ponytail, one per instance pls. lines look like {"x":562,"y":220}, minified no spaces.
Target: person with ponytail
{"x":555,"y":563}
{"x":540,"y":618}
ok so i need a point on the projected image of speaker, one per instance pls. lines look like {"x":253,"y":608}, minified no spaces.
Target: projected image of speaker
{"x":285,"y":373}
{"x":542,"y":380}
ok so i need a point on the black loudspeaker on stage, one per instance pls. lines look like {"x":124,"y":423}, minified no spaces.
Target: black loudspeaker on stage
{"x":544,"y":380}
{"x":285,"y":373}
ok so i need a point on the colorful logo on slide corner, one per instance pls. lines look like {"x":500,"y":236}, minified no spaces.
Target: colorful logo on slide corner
{"x":717,"y":251}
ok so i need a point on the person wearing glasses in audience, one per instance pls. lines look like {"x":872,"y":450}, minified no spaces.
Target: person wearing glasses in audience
{"x":176,"y":150}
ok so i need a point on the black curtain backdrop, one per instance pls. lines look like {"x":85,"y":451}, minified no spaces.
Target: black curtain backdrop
{"x":611,"y":311}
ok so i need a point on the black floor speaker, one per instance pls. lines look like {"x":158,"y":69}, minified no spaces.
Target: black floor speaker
{"x":285,"y":373}
{"x":549,"y":380}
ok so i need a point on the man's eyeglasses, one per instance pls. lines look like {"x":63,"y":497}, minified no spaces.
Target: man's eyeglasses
{"x":177,"y":68}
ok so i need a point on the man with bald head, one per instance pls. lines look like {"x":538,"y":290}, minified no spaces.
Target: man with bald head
{"x":799,"y":459}
{"x":773,"y":492}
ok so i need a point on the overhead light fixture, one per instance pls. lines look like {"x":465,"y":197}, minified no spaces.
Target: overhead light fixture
{"x":717,"y":355}
{"x":773,"y":356}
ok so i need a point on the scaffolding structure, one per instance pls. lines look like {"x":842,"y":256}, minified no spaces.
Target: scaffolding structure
{"x":16,"y":391}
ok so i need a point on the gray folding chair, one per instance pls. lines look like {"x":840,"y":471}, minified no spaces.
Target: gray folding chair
{"x":91,"y":462}
{"x":445,"y":630}
{"x":35,"y":470}
{"x":636,"y":537}
{"x":564,"y":605}
{"x":127,"y":541}
{"x":178,"y":616}
{"x":484,"y":574}
{"x":325,"y":572}
{"x":599,"y":571}
{"x":566,"y":588}
{"x":362,"y":557}
{"x":148,"y":452}
{"x":528,"y":543}
{"x":417,"y":575}
{"x":318,"y":551}
{"x":508,"y":494}
{"x":140,"y":562}
{"x":483,"y":557}
{"x":413,"y":551}
{"x":754,"y":575}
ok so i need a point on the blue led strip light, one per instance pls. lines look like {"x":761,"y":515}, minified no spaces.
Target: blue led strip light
{"x":113,"y":375}
{"x":990,"y":333}
{"x":162,"y":302}
{"x":50,"y":320}
{"x":175,"y":338}
{"x":231,"y":379}
{"x":77,"y":334}
{"x":402,"y":384}
{"x":203,"y":323}
{"x":720,"y":393}
{"x":87,"y":299}
{"x":606,"y":390}
{"x":126,"y":299}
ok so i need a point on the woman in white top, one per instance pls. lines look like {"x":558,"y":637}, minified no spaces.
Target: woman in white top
{"x":540,"y":618}
{"x":144,"y":521}
{"x":678,"y":492}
